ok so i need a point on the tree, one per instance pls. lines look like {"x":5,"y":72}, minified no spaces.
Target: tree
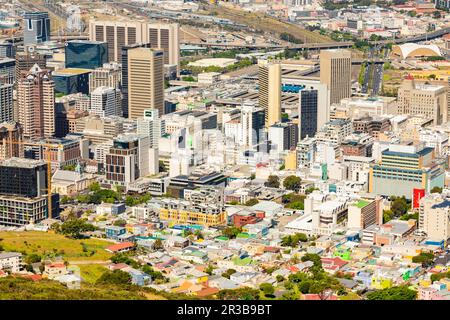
{"x":387,"y":215}
{"x":157,"y":245}
{"x":436,"y":190}
{"x":123,"y":258}
{"x":32,"y":258}
{"x":95,"y":187}
{"x":394,"y":293}
{"x":231,"y":232}
{"x":209,"y":269}
{"x":399,"y":206}
{"x":116,"y":277}
{"x":425,"y":258}
{"x":228,"y":273}
{"x":239,"y":294}
{"x":162,"y":166}
{"x":273,"y":181}
{"x":436,"y":14}
{"x":252,"y":202}
{"x":120,"y":223}
{"x":412,"y":13}
{"x":267,"y":288}
{"x":279,"y":278}
{"x":73,"y":227}
{"x":292,"y":183}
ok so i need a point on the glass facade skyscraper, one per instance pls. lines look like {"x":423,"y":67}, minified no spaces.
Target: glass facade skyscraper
{"x":308,"y":113}
{"x":86,"y":54}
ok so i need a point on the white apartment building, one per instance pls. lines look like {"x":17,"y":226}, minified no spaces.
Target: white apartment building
{"x":10,"y":261}
{"x":106,"y":102}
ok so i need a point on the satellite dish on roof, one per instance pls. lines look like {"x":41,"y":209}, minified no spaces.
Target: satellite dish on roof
{"x":30,"y":49}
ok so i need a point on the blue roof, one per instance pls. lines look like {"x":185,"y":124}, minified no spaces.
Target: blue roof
{"x":444,"y":204}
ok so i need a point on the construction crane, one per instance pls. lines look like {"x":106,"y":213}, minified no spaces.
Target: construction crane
{"x":49,"y":169}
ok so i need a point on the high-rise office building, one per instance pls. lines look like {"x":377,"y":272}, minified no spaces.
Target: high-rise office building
{"x":109,"y":75}
{"x":428,"y":100}
{"x":145,"y":81}
{"x":85,"y":54}
{"x":121,"y":33}
{"x":251,"y":126}
{"x":7,"y":49}
{"x":128,"y":159}
{"x":270,"y":91}
{"x":7,"y":71}
{"x":124,"y":86}
{"x":434,"y":216}
{"x":105,"y":102}
{"x":283,"y":136}
{"x":23,"y":177}
{"x":151,"y":125}
{"x":37,"y":27}
{"x":335,"y":72}
{"x":36,"y":104}
{"x":23,"y":192}
{"x":308,"y":113}
{"x":69,"y":81}
{"x":10,"y":138}
{"x":7,"y":78}
{"x":26,"y":60}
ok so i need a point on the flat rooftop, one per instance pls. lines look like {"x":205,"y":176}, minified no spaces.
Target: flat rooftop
{"x":70,"y":72}
{"x":21,"y":163}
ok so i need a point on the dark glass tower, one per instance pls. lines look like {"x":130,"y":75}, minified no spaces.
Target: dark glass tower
{"x":86,"y":54}
{"x":308,"y":113}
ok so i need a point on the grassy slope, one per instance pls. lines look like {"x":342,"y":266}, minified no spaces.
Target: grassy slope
{"x":91,"y":272}
{"x":23,"y":289}
{"x":259,"y":21}
{"x":45,"y":243}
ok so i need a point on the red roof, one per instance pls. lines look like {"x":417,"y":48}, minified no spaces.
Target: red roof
{"x":118,"y":266}
{"x":56,"y":265}
{"x":120,"y":246}
{"x":34,"y":277}
{"x":333,"y":263}
{"x":271,"y":249}
{"x":313,"y":296}
{"x":207,"y":292}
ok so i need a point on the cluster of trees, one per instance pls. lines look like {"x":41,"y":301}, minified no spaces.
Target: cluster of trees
{"x":317,"y":281}
{"x":436,"y":190}
{"x":116,"y":277}
{"x":136,"y":200}
{"x":157,"y":276}
{"x":228,"y":273}
{"x":292,"y":183}
{"x":290,"y":38}
{"x":293,"y":240}
{"x":231,"y":232}
{"x":251,"y":202}
{"x":399,"y":207}
{"x":73,"y":227}
{"x":238,"y":65}
{"x":394,"y":293}
{"x":229,"y":54}
{"x":425,"y":258}
{"x":98,"y":195}
{"x":238,"y":294}
{"x":273,"y":181}
{"x":439,"y":276}
{"x":294,"y":201}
